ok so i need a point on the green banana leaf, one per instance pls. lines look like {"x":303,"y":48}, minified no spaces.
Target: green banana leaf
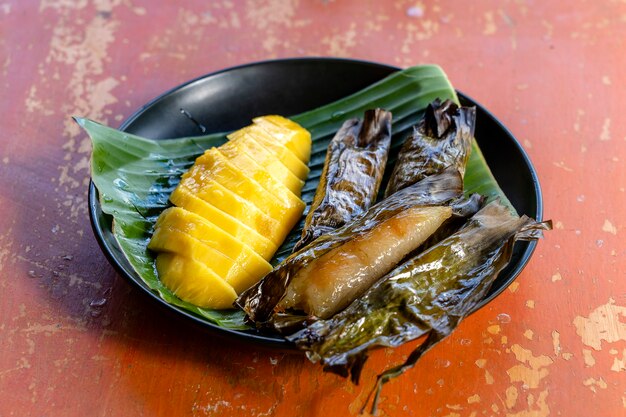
{"x":134,"y":176}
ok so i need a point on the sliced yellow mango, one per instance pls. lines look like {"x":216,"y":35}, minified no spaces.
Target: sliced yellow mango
{"x":194,"y":282}
{"x":212,"y":165}
{"x":240,"y":208}
{"x":203,"y":229}
{"x":254,"y":171}
{"x":247,"y":145}
{"x":174,"y":241}
{"x":284,"y":155}
{"x":233,"y":208}
{"x":288,"y":133}
{"x":182,"y":197}
{"x":235,"y":263}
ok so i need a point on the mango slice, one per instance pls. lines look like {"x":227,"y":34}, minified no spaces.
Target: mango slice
{"x":236,"y":264}
{"x":181,"y":220}
{"x":250,"y":168}
{"x":287,"y":133}
{"x":231,"y":224}
{"x":238,"y":207}
{"x":212,"y":165}
{"x":194,"y":282}
{"x":233,"y":208}
{"x":174,"y":241}
{"x":284,"y":155}
{"x":278,"y":171}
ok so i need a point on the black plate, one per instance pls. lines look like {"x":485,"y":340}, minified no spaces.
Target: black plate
{"x":228,"y":99}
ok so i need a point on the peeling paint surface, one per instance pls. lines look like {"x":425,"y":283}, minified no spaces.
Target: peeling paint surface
{"x":77,"y":340}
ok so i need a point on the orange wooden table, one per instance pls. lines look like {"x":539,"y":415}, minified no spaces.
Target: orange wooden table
{"x":77,"y":340}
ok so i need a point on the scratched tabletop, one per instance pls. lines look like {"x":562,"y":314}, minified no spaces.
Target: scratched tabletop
{"x":76,"y":339}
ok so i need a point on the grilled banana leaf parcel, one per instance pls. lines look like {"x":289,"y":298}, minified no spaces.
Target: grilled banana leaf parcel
{"x":443,"y":138}
{"x":338,"y":267}
{"x":427,"y":295}
{"x":351,"y":176}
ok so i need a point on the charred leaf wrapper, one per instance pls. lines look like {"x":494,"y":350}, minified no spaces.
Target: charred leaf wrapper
{"x":443,"y":138}
{"x":292,"y":294}
{"x":353,"y":169}
{"x":270,"y":303}
{"x":447,"y":264}
{"x":427,"y":295}
{"x":352,"y":173}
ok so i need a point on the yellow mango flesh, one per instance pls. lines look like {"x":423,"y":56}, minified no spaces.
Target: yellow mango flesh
{"x":194,"y":282}
{"x":203,"y":229}
{"x":232,"y":225}
{"x":233,"y":208}
{"x":287,"y":133}
{"x":254,"y":171}
{"x":236,"y":264}
{"x":284,"y":155}
{"x":213,"y":165}
{"x":174,"y":241}
{"x":278,"y":171}
{"x":237,"y":207}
